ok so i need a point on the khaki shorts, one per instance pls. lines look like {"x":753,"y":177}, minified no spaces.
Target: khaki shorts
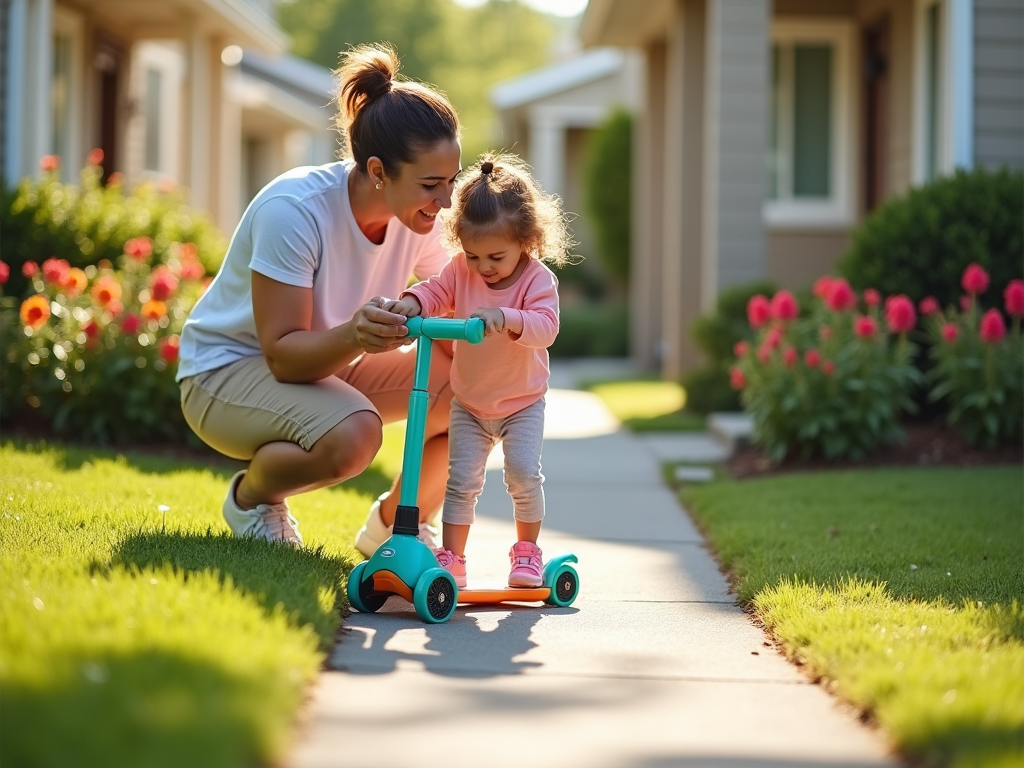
{"x":241,"y":406}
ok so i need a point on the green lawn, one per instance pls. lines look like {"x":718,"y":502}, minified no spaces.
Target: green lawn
{"x":135,"y":637}
{"x":901,"y":589}
{"x":647,"y":405}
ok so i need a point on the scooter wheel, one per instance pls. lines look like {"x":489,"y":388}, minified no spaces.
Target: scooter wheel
{"x":360,"y":594}
{"x":564,"y":587}
{"x":435,"y":596}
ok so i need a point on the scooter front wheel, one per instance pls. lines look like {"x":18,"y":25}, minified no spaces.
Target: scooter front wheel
{"x":564,"y":587}
{"x":435,"y":596}
{"x":361,"y":595}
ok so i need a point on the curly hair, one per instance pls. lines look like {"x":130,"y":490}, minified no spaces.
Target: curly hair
{"x":499,"y":195}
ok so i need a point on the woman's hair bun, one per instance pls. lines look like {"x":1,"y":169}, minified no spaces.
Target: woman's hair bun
{"x":486,"y":167}
{"x":367,"y":72}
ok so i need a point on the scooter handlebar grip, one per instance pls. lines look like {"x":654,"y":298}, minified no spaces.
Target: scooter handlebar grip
{"x":471,"y":330}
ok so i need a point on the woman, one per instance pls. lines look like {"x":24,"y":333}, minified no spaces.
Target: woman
{"x":291,"y":360}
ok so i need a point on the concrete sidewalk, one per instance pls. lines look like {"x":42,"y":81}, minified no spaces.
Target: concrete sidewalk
{"x":654,"y":665}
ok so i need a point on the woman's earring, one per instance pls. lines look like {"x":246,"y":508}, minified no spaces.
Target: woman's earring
{"x":379,"y":185}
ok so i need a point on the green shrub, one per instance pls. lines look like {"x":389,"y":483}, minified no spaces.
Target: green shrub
{"x":920,"y":243}
{"x":708,"y":390}
{"x":608,"y":195}
{"x":592,"y":330}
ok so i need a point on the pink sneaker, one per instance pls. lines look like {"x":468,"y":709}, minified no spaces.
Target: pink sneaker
{"x":527,"y":566}
{"x":454,"y":564}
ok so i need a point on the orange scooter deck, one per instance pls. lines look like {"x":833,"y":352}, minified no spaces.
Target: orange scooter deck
{"x":479,"y":594}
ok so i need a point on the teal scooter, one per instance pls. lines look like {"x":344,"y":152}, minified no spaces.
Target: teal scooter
{"x":405,"y":566}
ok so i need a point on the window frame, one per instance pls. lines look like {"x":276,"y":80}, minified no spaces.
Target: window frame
{"x":70,"y":25}
{"x":837,"y":209}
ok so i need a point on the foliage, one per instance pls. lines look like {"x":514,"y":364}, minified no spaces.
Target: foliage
{"x":592,"y":330}
{"x":90,"y":222}
{"x":979,"y":370}
{"x":920,"y":243}
{"x":608,"y":196}
{"x":708,"y":390}
{"x":831,"y":383}
{"x":898,"y":587}
{"x":462,"y":51}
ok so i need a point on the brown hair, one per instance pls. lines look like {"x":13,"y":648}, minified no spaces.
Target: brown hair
{"x":380,"y":115}
{"x":499,"y":194}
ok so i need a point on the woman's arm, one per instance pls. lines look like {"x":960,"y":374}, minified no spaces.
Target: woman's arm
{"x":297,"y":355}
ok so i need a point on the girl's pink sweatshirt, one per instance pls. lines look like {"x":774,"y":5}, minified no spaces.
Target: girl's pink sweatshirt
{"x":506,"y":372}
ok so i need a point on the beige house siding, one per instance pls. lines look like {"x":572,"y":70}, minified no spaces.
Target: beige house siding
{"x":797,"y":257}
{"x":998,"y":78}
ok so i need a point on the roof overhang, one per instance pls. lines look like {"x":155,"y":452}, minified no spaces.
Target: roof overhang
{"x":625,"y":22}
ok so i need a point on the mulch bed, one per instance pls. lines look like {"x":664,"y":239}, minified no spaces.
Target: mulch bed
{"x":926,"y":445}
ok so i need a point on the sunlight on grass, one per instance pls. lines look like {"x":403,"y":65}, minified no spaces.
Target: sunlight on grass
{"x":136,"y":636}
{"x":647,"y":405}
{"x":899,"y":588}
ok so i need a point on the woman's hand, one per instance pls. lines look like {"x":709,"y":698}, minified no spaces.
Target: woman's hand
{"x":494,"y":319}
{"x":377,"y":329}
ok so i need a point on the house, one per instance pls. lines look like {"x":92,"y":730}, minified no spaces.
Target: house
{"x":547,"y":114}
{"x":192,"y":92}
{"x":770,"y":129}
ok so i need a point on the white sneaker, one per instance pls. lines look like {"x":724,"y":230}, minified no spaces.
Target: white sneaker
{"x":272,"y":522}
{"x":374,"y":532}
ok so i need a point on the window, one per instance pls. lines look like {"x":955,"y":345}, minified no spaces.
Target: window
{"x":808,"y":153}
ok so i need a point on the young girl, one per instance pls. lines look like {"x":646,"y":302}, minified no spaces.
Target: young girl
{"x":502,"y":226}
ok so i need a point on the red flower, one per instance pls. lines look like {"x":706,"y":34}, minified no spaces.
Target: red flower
{"x":764,"y":353}
{"x":737,"y":379}
{"x":840,"y":296}
{"x":865,"y":326}
{"x":55,"y":271}
{"x":828,"y":367}
{"x":789,"y":355}
{"x":975,"y":279}
{"x":929,"y":305}
{"x":758,"y":311}
{"x":92,"y":330}
{"x":130,"y":324}
{"x":774,"y":338}
{"x":169,"y":349}
{"x":949,"y":333}
{"x":29,"y":269}
{"x":139,"y":248}
{"x":95,"y":157}
{"x":992,"y":329}
{"x":114,"y":308}
{"x":740,"y":348}
{"x":899,"y":313}
{"x":965,"y":303}
{"x":1014,"y":298}
{"x":871,"y":297}
{"x":822,"y":287}
{"x":783,"y":306}
{"x":5,"y":272}
{"x":49,"y":163}
{"x":812,"y":357}
{"x":162,"y":283}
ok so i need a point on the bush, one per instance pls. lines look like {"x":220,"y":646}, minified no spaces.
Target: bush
{"x":920,"y":243}
{"x":979,"y":369}
{"x":608,"y":195}
{"x":92,"y":351}
{"x":592,"y":330}
{"x":830,"y":383}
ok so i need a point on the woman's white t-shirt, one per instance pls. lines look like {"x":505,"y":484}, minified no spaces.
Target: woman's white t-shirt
{"x":300,"y":230}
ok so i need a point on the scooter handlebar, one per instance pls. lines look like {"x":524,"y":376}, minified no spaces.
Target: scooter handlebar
{"x":471,"y":329}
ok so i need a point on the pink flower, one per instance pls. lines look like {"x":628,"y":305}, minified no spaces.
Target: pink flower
{"x":764,"y":354}
{"x":828,"y":367}
{"x":774,"y":338}
{"x":789,"y":355}
{"x":841,"y":296}
{"x":130,"y":324}
{"x":975,"y":279}
{"x":871,"y":297}
{"x":49,"y":163}
{"x":949,"y":333}
{"x":29,"y":269}
{"x":95,"y":157}
{"x":825,"y":332}
{"x":758,"y":311}
{"x":5,"y":272}
{"x":115,"y":179}
{"x":784,"y":306}
{"x":55,"y":271}
{"x":965,"y":303}
{"x":740,"y":348}
{"x":1014,"y":298}
{"x":811,"y":358}
{"x":139,"y":248}
{"x":992,"y":329}
{"x":899,"y":314}
{"x":865,"y":326}
{"x":822,"y":287}
{"x":162,"y":283}
{"x":737,"y":379}
{"x":929,"y":306}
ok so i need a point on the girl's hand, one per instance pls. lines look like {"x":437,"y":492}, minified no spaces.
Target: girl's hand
{"x":408,"y":306}
{"x":378,"y":330}
{"x":494,"y":319}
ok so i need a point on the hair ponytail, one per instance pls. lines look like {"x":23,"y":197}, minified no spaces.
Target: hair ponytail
{"x":380,"y":115}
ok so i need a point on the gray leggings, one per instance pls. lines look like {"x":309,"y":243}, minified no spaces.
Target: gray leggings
{"x":470,"y":441}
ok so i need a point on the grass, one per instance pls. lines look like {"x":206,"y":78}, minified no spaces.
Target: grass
{"x":135,"y":637}
{"x":647,"y":405}
{"x":901,"y":589}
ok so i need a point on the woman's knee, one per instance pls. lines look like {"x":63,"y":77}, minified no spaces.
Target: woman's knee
{"x":348,"y":448}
